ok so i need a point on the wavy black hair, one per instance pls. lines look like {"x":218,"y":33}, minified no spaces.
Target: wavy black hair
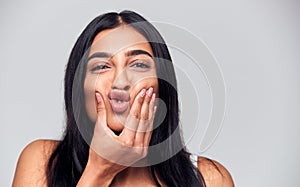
{"x":68,"y":160}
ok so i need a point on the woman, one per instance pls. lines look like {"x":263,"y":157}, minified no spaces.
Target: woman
{"x":116,"y":72}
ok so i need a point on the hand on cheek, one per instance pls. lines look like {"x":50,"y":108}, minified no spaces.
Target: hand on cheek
{"x":132,"y":143}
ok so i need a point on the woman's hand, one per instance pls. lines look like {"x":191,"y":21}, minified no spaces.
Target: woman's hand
{"x":109,"y":153}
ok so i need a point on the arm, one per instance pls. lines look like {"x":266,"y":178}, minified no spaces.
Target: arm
{"x":93,"y":175}
{"x":214,"y":174}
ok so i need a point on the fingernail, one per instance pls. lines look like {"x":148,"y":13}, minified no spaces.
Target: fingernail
{"x":98,"y":97}
{"x":154,"y":110}
{"x":150,"y":91}
{"x":153,"y":97}
{"x":143,"y":92}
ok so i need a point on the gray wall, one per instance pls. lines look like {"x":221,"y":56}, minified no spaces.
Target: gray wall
{"x":256,"y":44}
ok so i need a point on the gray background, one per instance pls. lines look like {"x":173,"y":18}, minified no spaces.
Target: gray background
{"x":255,"y":42}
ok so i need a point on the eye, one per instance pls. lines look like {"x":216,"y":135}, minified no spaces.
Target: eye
{"x":142,"y":65}
{"x":100,"y":67}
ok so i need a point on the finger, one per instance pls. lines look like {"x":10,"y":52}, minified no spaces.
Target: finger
{"x":151,"y":106}
{"x":101,"y":116}
{"x":140,"y":134}
{"x":144,"y":121}
{"x":101,"y":111}
{"x":145,"y":106}
{"x":137,"y":104}
{"x":132,"y":121}
{"x":150,"y":127}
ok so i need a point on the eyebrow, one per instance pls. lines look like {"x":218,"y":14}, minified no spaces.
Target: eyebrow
{"x":128,"y":54}
{"x":138,"y":52}
{"x":99,"y":55}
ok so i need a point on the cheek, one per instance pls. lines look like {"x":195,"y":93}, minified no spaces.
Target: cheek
{"x":90,"y":104}
{"x":146,"y":83}
{"x":144,"y":80}
{"x":91,"y":85}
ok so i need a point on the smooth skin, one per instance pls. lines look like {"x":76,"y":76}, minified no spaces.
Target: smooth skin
{"x":31,"y":169}
{"x":136,"y":74}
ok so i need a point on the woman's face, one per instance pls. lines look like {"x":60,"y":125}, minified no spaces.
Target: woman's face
{"x":120,"y":65}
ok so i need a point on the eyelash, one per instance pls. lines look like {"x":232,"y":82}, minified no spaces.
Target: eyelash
{"x":100,"y":67}
{"x":140,"y":65}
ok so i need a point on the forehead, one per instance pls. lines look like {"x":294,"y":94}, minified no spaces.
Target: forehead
{"x":121,"y":38}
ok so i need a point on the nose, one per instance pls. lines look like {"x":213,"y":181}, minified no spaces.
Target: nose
{"x":121,"y":81}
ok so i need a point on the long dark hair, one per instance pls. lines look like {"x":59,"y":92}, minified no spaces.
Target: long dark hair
{"x":69,"y":158}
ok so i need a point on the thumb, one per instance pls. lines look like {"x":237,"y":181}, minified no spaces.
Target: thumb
{"x":101,"y":111}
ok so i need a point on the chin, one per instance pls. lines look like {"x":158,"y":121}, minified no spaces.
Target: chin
{"x":116,"y":123}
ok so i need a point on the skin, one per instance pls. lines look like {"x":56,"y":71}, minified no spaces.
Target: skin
{"x":135,"y":74}
{"x":122,"y":72}
{"x":134,"y":126}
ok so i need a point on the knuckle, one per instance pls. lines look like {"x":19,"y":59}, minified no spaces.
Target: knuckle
{"x":128,"y":142}
{"x":150,"y":115}
{"x":140,"y":145}
{"x":144,"y":118}
{"x":138,"y":151}
{"x":140,"y":100}
{"x":146,"y":104}
{"x":135,"y":114}
{"x":146,"y":122}
{"x":147,"y":99}
{"x":145,"y":152}
{"x":144,"y":114}
{"x":100,"y":107}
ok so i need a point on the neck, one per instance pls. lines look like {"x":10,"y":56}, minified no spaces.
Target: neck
{"x":134,"y":176}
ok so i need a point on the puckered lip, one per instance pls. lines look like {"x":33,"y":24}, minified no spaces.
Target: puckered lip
{"x":119,"y":95}
{"x":119,"y":100}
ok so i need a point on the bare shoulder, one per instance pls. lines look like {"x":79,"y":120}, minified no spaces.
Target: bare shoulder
{"x":214,"y":173}
{"x":31,"y":166}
